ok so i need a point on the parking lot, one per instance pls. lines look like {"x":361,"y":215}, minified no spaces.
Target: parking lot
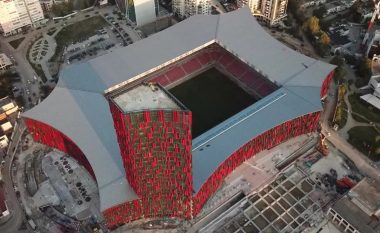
{"x":117,"y":34}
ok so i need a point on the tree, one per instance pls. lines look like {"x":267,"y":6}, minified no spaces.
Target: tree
{"x":62,"y":9}
{"x":324,"y":38}
{"x":289,"y":21}
{"x":6,"y":80}
{"x":312,"y":25}
{"x":364,"y":67}
{"x":319,"y":12}
{"x":337,"y":60}
{"x":45,"y":90}
{"x":363,"y":71}
{"x":297,"y":11}
{"x":356,"y":11}
{"x":339,"y":72}
{"x":20,"y":101}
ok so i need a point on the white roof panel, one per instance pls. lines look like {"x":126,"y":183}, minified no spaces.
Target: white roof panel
{"x":85,"y":118}
{"x":371,"y":99}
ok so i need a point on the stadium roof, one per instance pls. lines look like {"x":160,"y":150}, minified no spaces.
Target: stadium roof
{"x":77,"y":106}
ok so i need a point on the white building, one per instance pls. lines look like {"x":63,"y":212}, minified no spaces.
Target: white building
{"x":5,"y":62}
{"x":335,"y":9}
{"x":140,"y":12}
{"x":311,"y":3}
{"x":4,"y":141}
{"x":270,"y":11}
{"x":373,"y":85}
{"x":48,"y":4}
{"x":186,"y":8}
{"x":198,"y":7}
{"x":358,"y":211}
{"x":16,"y":14}
{"x":178,"y":7}
{"x":373,"y":46}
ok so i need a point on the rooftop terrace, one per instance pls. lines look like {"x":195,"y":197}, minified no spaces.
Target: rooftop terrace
{"x":142,"y":97}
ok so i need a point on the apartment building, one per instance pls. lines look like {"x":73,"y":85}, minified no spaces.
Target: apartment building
{"x":269,"y":11}
{"x":5,"y":62}
{"x":187,"y":8}
{"x":17,"y":14}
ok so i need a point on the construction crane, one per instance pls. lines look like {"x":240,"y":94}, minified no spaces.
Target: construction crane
{"x":376,"y":13}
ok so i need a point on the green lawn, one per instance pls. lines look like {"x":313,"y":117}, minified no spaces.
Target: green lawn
{"x":16,"y":43}
{"x":77,"y":32}
{"x":37,"y":68}
{"x":364,"y":109}
{"x":367,"y":140}
{"x":39,"y":71}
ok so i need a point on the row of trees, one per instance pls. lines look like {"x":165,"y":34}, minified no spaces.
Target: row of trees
{"x":65,"y":8}
{"x":364,"y":72}
{"x":363,"y":69}
{"x":340,"y":72}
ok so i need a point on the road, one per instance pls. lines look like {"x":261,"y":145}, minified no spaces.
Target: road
{"x":354,"y":155}
{"x":17,"y":218}
{"x":27,"y":73}
{"x":23,"y":68}
{"x":340,"y":143}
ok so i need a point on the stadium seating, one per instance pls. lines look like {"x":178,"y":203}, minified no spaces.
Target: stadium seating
{"x":237,"y":69}
{"x":191,"y":66}
{"x":162,"y":80}
{"x":226,"y":60}
{"x":175,"y":73}
{"x":205,"y":58}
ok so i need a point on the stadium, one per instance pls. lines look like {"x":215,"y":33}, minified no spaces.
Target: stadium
{"x":156,"y":152}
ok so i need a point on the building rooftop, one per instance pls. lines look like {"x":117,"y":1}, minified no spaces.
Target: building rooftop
{"x":356,"y":216}
{"x":78,"y":108}
{"x":366,"y":194}
{"x":4,"y":60}
{"x":145,"y":97}
{"x":375,"y":66}
{"x":371,"y":99}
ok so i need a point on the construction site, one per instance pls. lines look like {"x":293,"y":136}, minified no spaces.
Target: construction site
{"x":262,"y":196}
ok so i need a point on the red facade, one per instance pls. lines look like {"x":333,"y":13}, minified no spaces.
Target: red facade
{"x":123,"y":213}
{"x":326,"y":84}
{"x":156,"y":153}
{"x":51,"y":137}
{"x":267,"y":140}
